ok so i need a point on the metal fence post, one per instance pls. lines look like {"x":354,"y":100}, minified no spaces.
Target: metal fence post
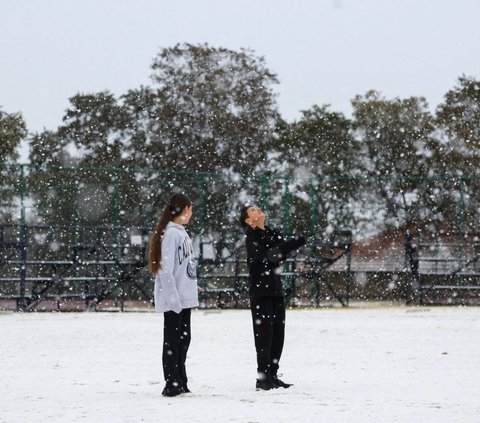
{"x":286,"y":213}
{"x":21,"y":304}
{"x":313,"y":205}
{"x":263,"y":195}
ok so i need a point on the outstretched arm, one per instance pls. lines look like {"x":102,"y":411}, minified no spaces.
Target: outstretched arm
{"x":259,"y":253}
{"x":281,"y":251}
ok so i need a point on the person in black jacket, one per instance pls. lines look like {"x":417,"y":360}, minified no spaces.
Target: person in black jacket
{"x":266,"y":250}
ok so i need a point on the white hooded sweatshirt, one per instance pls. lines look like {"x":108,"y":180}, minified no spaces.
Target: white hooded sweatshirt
{"x":176,"y":281}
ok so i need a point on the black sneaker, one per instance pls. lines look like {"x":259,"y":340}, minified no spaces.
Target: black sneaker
{"x":277,"y":383}
{"x":172,"y":391}
{"x":264,"y":385}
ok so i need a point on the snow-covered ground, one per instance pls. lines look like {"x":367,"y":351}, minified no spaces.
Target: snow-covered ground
{"x":396,"y":364}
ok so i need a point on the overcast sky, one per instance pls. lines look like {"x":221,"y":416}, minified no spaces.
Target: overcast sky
{"x":323,"y":51}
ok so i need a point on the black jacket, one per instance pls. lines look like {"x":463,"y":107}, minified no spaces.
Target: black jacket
{"x":266,"y":250}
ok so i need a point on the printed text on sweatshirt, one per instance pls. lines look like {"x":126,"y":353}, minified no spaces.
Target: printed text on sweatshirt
{"x":176,"y":281}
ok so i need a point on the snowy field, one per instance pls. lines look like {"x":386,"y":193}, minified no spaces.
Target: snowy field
{"x":396,"y":364}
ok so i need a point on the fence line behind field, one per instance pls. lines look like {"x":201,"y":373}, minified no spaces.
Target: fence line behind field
{"x":413,"y":238}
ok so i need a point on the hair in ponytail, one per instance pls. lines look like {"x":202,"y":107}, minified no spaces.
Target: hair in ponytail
{"x":175,"y":206}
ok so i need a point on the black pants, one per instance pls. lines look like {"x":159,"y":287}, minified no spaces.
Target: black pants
{"x":176,"y":340}
{"x":268,"y":315}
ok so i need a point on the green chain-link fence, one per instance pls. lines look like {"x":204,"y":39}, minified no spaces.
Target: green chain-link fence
{"x":433,"y":208}
{"x":125,"y":197}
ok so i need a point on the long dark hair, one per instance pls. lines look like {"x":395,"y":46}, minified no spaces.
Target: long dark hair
{"x":175,"y":206}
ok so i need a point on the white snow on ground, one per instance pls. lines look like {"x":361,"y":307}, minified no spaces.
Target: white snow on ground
{"x":396,"y":364}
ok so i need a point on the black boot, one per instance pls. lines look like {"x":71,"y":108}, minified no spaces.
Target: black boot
{"x":277,"y":383}
{"x":264,"y":382}
{"x":264,"y":385}
{"x":172,"y":391}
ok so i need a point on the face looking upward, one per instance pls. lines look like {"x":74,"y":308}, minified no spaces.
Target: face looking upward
{"x":256,"y":217}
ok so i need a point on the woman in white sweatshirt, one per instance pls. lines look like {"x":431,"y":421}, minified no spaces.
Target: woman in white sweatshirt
{"x":170,"y":259}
